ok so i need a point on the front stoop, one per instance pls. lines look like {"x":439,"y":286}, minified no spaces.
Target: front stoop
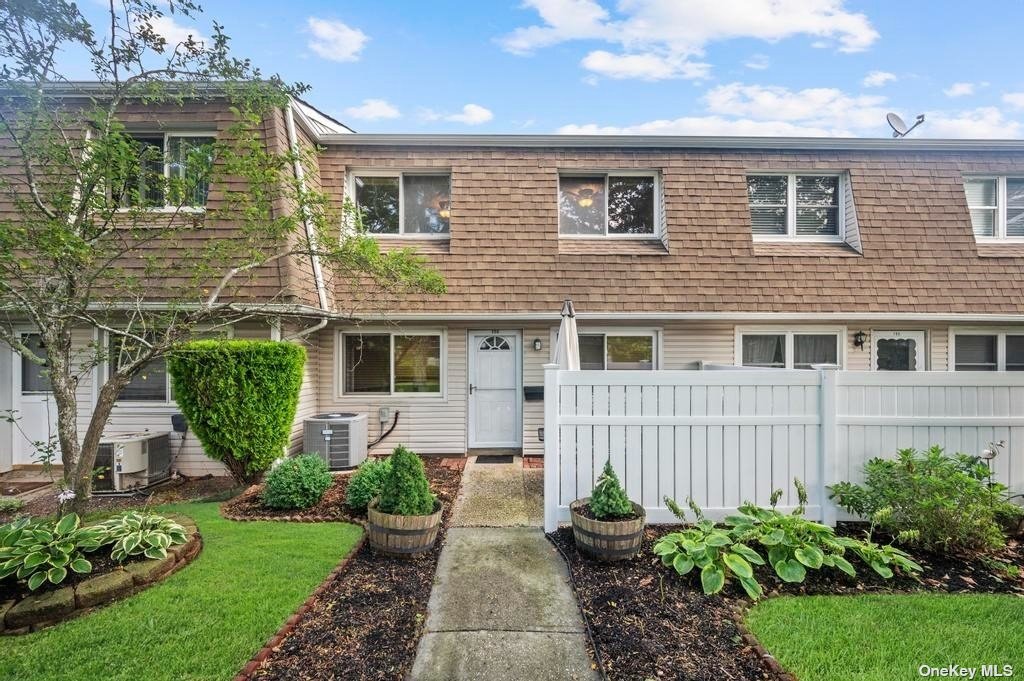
{"x":502,"y":607}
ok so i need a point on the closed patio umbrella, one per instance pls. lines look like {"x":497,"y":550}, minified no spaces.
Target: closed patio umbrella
{"x":567,"y":352}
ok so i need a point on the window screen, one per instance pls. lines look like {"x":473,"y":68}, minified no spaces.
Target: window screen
{"x":764,"y":350}
{"x":34,"y":377}
{"x":427,"y":203}
{"x":377,"y":200}
{"x":768,"y":196}
{"x":976,"y":353}
{"x":368,"y":364}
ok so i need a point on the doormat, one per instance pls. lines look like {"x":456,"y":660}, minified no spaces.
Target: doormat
{"x":494,"y":458}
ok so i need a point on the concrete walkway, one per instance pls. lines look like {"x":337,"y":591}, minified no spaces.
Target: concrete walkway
{"x":500,"y":495}
{"x":502,"y":606}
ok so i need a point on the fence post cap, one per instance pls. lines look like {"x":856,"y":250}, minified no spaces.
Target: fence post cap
{"x":551,"y":365}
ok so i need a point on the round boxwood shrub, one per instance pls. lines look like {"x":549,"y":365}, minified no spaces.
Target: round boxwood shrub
{"x":239,"y":397}
{"x":366,"y":483}
{"x":406,"y":490}
{"x":297,"y":483}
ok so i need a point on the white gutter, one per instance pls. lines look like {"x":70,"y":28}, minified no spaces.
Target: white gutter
{"x":300,"y":177}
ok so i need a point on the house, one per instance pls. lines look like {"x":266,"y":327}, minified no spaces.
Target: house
{"x":873,"y":254}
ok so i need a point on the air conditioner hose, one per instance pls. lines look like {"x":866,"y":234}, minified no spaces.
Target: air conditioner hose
{"x":394,"y":422}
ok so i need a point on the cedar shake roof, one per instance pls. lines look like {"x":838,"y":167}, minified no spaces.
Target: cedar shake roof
{"x":919,"y":254}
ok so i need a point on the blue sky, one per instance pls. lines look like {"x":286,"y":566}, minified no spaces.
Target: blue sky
{"x":759,"y":67}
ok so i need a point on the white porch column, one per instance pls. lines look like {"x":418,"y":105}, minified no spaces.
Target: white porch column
{"x":552,"y":464}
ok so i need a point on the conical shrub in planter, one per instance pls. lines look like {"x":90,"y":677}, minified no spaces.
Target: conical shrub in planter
{"x":607,"y":525}
{"x":405,"y":518}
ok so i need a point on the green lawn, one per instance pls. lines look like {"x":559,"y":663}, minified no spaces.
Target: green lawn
{"x":887,"y":637}
{"x":203,"y":622}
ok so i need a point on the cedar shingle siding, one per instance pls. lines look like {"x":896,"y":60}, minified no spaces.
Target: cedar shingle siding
{"x":505,"y":255}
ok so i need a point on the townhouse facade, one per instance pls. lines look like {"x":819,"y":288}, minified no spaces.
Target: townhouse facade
{"x":678,"y":253}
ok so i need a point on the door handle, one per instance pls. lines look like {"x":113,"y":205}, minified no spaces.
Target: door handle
{"x":471,"y":388}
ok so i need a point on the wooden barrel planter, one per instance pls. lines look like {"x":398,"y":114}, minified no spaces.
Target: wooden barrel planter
{"x":607,"y":540}
{"x":403,"y":535}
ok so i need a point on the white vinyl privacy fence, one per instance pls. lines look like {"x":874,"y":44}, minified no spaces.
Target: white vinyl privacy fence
{"x":725,"y":437}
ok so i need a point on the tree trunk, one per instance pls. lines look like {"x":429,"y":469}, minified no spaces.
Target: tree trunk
{"x":80,"y":482}
{"x":63,"y":386}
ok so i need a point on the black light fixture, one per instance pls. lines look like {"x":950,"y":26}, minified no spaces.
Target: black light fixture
{"x":536,"y":344}
{"x":859,"y":339}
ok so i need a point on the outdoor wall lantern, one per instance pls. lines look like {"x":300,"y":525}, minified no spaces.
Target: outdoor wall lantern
{"x":536,"y":344}
{"x":859,"y":338}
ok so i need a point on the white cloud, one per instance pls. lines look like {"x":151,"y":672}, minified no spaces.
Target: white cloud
{"x":986,"y":122}
{"x":878,"y":79}
{"x":174,"y":33}
{"x":471,"y":114}
{"x":373,"y":110}
{"x":670,"y":33}
{"x":642,"y":66}
{"x":820,"y":108}
{"x":335,"y":40}
{"x":1014,"y":99}
{"x":701,"y":125}
{"x":757,"y":62}
{"x":959,"y":90}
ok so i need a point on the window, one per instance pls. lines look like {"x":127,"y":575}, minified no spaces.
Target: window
{"x":383,"y":363}
{"x":616,"y":352}
{"x":35,"y":378}
{"x":151,"y":384}
{"x":404,"y":203}
{"x":795,"y":206}
{"x":981,"y":351}
{"x":996,"y":205}
{"x":789,"y":349}
{"x":171,"y":170}
{"x":617,"y":205}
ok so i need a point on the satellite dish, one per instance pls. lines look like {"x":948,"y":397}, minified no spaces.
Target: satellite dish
{"x":899,"y":128}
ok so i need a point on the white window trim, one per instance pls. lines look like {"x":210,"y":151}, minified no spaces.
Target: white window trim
{"x":167,"y":169}
{"x":789,"y":331}
{"x":657,"y":232}
{"x":350,"y":189}
{"x":339,"y":345}
{"x":1000,"y":210}
{"x":655,"y":333}
{"x":1000,"y":332}
{"x":104,"y":373}
{"x":791,"y":235}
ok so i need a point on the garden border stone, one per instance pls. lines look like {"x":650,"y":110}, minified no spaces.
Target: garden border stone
{"x":254,"y":663}
{"x":38,"y":611}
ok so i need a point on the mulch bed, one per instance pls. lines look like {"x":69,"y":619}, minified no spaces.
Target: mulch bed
{"x":173,"y":491}
{"x":331,"y":508}
{"x":647,"y":622}
{"x":367,"y":621}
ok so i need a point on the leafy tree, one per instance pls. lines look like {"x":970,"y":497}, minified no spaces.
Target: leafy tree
{"x":81,"y":248}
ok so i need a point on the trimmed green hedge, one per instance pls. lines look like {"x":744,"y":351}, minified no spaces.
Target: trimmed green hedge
{"x":239,"y":397}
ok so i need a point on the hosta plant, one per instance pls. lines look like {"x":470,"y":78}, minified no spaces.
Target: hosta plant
{"x":133,"y":533}
{"x":793,"y":545}
{"x":46,"y":551}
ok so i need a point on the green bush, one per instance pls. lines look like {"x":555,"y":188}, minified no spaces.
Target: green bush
{"x":406,"y":490}
{"x":930,"y":499}
{"x":794,"y":544}
{"x":239,"y":397}
{"x":133,"y":533}
{"x":297,"y":483}
{"x":11,"y":504}
{"x":608,"y":501}
{"x":366,"y":483}
{"x":44,"y":551}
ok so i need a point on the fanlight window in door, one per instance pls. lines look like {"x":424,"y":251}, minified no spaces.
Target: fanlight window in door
{"x":495,"y":343}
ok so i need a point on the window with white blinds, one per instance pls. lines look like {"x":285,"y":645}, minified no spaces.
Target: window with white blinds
{"x":798,"y":206}
{"x":996,"y":205}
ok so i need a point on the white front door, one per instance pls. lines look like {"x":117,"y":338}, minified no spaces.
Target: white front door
{"x":495,"y":396}
{"x":897,"y":351}
{"x":36,"y":413}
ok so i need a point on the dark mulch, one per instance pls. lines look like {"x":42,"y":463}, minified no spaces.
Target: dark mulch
{"x":367,"y":623}
{"x":332,"y":506}
{"x":173,"y":491}
{"x":102,"y":563}
{"x":647,"y":622}
{"x":12,"y":488}
{"x":585,"y":511}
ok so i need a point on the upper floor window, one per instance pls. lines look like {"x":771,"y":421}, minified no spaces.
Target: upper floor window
{"x":795,"y":206}
{"x":997,"y":206}
{"x":607,"y":204}
{"x":403,"y":203}
{"x":170,"y":170}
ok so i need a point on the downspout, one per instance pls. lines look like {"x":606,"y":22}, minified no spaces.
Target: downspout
{"x":300,"y":177}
